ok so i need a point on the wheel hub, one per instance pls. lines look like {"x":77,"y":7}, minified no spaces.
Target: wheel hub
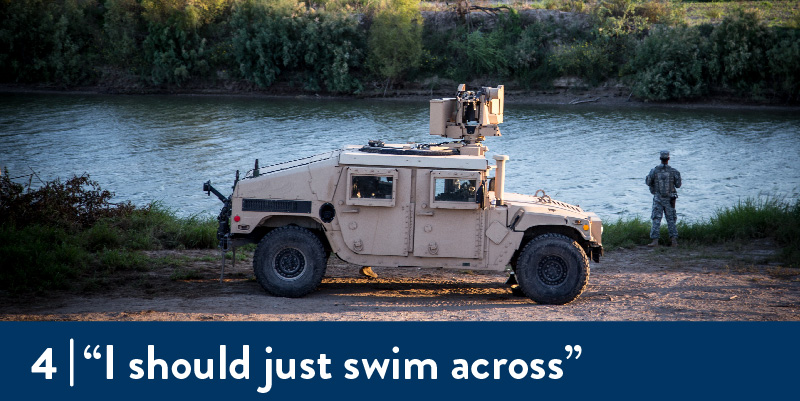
{"x":552,"y":270}
{"x":290,"y":263}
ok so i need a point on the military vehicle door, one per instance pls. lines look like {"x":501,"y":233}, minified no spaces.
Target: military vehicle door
{"x":448,"y":223}
{"x":376,"y":216}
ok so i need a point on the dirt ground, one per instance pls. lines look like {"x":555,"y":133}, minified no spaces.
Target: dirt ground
{"x":728,"y":282}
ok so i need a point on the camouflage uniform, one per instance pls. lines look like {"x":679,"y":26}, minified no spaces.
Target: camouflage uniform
{"x":662,"y":181}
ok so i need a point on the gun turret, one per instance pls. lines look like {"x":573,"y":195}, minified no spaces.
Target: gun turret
{"x":470,"y":116}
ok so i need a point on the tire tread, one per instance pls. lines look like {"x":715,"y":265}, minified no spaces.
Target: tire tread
{"x":290,"y":290}
{"x":559,"y":299}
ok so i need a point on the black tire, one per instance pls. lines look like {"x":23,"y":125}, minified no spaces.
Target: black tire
{"x":552,"y":269}
{"x":289,"y":262}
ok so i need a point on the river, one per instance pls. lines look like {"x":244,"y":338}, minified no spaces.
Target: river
{"x":162,"y":148}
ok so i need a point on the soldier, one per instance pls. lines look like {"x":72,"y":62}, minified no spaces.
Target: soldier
{"x":662,"y":181}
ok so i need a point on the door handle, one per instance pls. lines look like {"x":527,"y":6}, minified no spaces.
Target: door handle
{"x":425,"y":213}
{"x":355,"y":210}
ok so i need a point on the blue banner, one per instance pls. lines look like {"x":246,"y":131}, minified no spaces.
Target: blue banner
{"x":399,"y":361}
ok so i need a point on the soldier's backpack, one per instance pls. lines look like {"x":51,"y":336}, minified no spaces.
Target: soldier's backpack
{"x":664,"y":181}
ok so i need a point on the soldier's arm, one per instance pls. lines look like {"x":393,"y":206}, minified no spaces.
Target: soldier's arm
{"x":649,"y":179}
{"x":677,"y":179}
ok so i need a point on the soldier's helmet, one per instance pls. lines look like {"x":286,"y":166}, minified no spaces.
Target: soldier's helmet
{"x":664,"y":154}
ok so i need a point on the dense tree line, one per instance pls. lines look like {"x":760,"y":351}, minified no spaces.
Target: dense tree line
{"x":339,"y":46}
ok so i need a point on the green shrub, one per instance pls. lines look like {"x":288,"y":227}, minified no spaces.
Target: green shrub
{"x":751,"y":218}
{"x":74,"y":204}
{"x":591,"y":61}
{"x":739,"y":53}
{"x":111,"y":260}
{"x":619,"y":17}
{"x":48,"y":40}
{"x":102,"y":235}
{"x":395,"y":39}
{"x":156,"y":227}
{"x":794,"y":20}
{"x":714,"y":13}
{"x":784,"y":59}
{"x":485,"y":55}
{"x":173,"y":49}
{"x":528,"y":58}
{"x":788,"y":235}
{"x":611,"y":43}
{"x":671,"y":64}
{"x":551,"y":4}
{"x":333,"y":52}
{"x":122,"y":25}
{"x":39,"y":258}
{"x":321,"y":49}
{"x":626,"y":233}
{"x":504,"y":48}
{"x":657,"y":12}
{"x":49,"y":236}
{"x":747,"y":219}
{"x":257,"y":46}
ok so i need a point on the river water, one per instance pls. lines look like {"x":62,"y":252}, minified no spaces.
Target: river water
{"x":162,"y":148}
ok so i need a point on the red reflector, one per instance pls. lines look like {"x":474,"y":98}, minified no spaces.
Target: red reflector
{"x":236,"y":218}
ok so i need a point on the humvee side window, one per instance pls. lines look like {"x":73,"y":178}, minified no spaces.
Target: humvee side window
{"x":455,"y":190}
{"x":374,"y":187}
{"x":371,"y":186}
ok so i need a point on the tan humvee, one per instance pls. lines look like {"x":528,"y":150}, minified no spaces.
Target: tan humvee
{"x":411,"y":205}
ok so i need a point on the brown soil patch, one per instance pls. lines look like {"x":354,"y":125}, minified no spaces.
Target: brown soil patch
{"x":685,"y":283}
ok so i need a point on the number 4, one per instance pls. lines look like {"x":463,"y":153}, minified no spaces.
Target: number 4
{"x":45,"y":359}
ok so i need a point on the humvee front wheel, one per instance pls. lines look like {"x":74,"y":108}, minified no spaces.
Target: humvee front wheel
{"x":289,"y":262}
{"x":552,"y":269}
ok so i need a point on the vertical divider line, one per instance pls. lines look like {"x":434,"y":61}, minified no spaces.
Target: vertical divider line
{"x":71,"y":362}
{"x":109,"y":362}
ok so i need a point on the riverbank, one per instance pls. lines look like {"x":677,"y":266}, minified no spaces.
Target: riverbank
{"x":611,"y":94}
{"x":393,"y":47}
{"x":688,"y":283}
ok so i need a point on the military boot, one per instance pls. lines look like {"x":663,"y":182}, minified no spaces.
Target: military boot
{"x":654,"y":243}
{"x":674,"y":241}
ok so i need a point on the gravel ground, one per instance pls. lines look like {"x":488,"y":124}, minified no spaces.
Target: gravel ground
{"x":729,"y":282}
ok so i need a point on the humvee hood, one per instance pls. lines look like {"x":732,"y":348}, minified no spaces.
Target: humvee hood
{"x":541,"y":204}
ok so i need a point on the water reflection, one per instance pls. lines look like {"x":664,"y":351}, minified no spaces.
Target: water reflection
{"x":163,"y":147}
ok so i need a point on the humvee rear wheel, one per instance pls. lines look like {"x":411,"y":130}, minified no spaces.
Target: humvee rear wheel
{"x":552,"y":269}
{"x":289,"y":262}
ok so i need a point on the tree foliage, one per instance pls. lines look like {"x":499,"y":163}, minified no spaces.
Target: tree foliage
{"x":173,"y":49}
{"x":739,"y":46}
{"x":320,"y":49}
{"x":47,"y":40}
{"x":784,"y":59}
{"x":672,"y":64}
{"x":122,"y":27}
{"x":740,"y":54}
{"x":395,"y":39}
{"x":336,"y":45}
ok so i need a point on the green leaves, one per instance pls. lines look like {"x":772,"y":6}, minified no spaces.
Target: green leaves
{"x":395,"y":39}
{"x":672,"y":63}
{"x":47,"y":41}
{"x":173,"y":53}
{"x":322,"y":49}
{"x":741,"y":54}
